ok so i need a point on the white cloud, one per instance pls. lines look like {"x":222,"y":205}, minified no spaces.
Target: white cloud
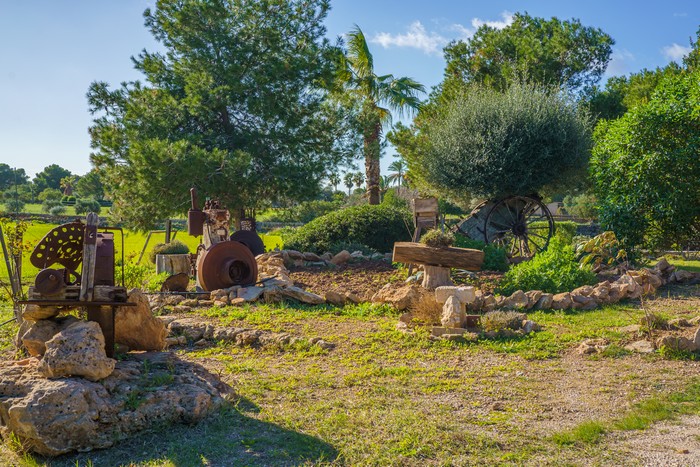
{"x":507,"y":21}
{"x":619,"y":62}
{"x":431,"y":42}
{"x":675,"y":52}
{"x":416,"y":37}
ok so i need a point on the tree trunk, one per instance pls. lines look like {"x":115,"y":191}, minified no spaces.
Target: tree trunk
{"x":372,"y":153}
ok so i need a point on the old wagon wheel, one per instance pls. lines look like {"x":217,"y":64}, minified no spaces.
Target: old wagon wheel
{"x":522,"y":225}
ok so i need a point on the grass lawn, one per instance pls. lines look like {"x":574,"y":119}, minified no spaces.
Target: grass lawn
{"x":690,"y":265}
{"x":384,"y":397}
{"x":36,"y":209}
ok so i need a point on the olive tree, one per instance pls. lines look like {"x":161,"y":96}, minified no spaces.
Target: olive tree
{"x":490,"y":144}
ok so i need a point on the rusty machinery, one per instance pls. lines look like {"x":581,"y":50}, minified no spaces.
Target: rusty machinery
{"x":222,"y":260}
{"x":60,"y":285}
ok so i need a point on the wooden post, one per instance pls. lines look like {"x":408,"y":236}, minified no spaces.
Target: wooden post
{"x":435,"y":276}
{"x":87,"y":274}
{"x":168,"y":228}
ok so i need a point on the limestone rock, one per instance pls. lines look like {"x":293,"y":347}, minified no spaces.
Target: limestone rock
{"x":465,"y":294}
{"x":696,"y":339}
{"x":35,"y":312}
{"x":453,"y":315}
{"x":681,"y":275}
{"x":35,"y":338}
{"x":517,"y":300}
{"x":250,"y":294}
{"x":530,"y":326}
{"x":642,"y":346}
{"x":677,"y":343}
{"x":489,"y":303}
{"x":561,"y":301}
{"x":591,"y":346}
{"x":335,"y":298}
{"x":584,"y":291}
{"x":54,"y":417}
{"x":533,"y":296}
{"x":136,"y":327}
{"x":545,"y":301}
{"x":171,"y":300}
{"x":353,"y":298}
{"x":313,"y":257}
{"x":398,"y":297}
{"x":303,"y":296}
{"x":341,"y":258}
{"x":78,"y":350}
{"x":679,"y":323}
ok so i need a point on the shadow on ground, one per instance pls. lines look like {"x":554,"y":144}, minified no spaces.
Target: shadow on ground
{"x":232,"y":437}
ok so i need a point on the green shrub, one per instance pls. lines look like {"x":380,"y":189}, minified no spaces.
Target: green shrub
{"x":391,"y":198}
{"x":565,"y":230}
{"x":57,"y":210}
{"x":50,"y":194}
{"x":86,"y":205}
{"x":14,"y":205}
{"x":176,"y":247}
{"x":495,"y":258}
{"x":436,"y":238}
{"x":583,"y":205}
{"x":135,"y":274}
{"x":68,"y":200}
{"x":50,"y":203}
{"x":305,"y":212}
{"x":500,"y":320}
{"x":555,"y":270}
{"x":377,"y":227}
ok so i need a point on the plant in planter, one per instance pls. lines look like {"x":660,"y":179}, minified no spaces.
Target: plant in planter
{"x":173,"y":257}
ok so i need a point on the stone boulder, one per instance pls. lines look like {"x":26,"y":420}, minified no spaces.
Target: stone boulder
{"x":35,"y":338}
{"x":78,"y":350}
{"x":36,"y":313}
{"x":399,"y":297}
{"x":250,"y":294}
{"x":677,"y":343}
{"x":136,"y":327}
{"x":545,"y":301}
{"x":518,"y":300}
{"x":59,"y":416}
{"x":561,"y":301}
{"x":335,"y":298}
{"x":453,"y":315}
{"x":341,"y":258}
{"x":302,"y":295}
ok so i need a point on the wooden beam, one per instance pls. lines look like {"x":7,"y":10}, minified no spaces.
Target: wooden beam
{"x":87,"y":273}
{"x":417,"y":253}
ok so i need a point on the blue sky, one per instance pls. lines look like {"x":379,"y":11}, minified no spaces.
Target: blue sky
{"x":50,"y":51}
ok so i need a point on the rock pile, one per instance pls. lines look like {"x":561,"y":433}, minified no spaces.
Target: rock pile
{"x":57,"y":416}
{"x":191,"y":331}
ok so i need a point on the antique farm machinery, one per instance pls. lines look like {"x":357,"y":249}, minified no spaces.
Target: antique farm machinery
{"x":223,"y":260}
{"x":522,"y":225}
{"x":77,"y":267}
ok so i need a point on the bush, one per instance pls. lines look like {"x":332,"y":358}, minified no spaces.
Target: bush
{"x":50,"y":194}
{"x":305,"y":212}
{"x":555,"y":270}
{"x":495,"y":258}
{"x":68,"y":200}
{"x":377,"y":227}
{"x":14,"y":205}
{"x":176,"y":247}
{"x":86,"y":205}
{"x":500,"y":320}
{"x":491,"y":144}
{"x":646,"y":168}
{"x":391,"y":198}
{"x":583,"y":205}
{"x":48,"y":204}
{"x":57,"y":210}
{"x":436,"y":238}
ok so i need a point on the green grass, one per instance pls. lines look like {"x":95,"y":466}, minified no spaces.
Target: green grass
{"x":690,"y":265}
{"x":35,"y":208}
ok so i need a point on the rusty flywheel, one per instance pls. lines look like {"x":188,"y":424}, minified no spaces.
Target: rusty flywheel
{"x":226,"y":264}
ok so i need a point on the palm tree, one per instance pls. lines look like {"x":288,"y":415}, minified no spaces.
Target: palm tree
{"x":349,"y":181}
{"x":358,"y":179}
{"x":334,"y":180}
{"x":384,"y":183}
{"x":398,"y":168}
{"x":372,"y":92}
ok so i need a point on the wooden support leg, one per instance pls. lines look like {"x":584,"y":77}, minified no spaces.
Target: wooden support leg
{"x":104,"y":316}
{"x":435,"y":276}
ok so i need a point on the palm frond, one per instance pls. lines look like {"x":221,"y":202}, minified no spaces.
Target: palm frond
{"x":359,"y":55}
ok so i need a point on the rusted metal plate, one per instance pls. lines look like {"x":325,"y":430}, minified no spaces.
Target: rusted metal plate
{"x":104,"y":260}
{"x":50,"y":281}
{"x":226,"y":264}
{"x":61,"y":245}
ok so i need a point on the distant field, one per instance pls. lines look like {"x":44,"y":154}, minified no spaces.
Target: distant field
{"x":133,"y":244}
{"x":36,"y":209}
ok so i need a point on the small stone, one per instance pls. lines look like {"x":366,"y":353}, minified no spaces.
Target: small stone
{"x":335,"y":298}
{"x":201,"y":343}
{"x":170,"y":341}
{"x":642,"y":346}
{"x":679,"y":323}
{"x":250,"y":294}
{"x":438,"y":331}
{"x":312,"y":257}
{"x":677,"y":343}
{"x":529,"y":326}
{"x":353,"y":298}
{"x":517,"y":300}
{"x":206,"y":303}
{"x":545,"y":301}
{"x":341,"y":258}
{"x":631,"y":329}
{"x":584,"y":291}
{"x":591,"y":346}
{"x":561,"y":301}
{"x":302,"y":295}
{"x":453,"y":315}
{"x":696,"y":339}
{"x":172,"y":300}
{"x":221,"y":303}
{"x":237,"y":301}
{"x":400,"y":298}
{"x":533,"y":296}
{"x":182,"y":309}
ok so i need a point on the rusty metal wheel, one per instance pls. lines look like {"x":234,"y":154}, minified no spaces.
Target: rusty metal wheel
{"x":226,"y":264}
{"x":522,"y":225}
{"x":250,"y":239}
